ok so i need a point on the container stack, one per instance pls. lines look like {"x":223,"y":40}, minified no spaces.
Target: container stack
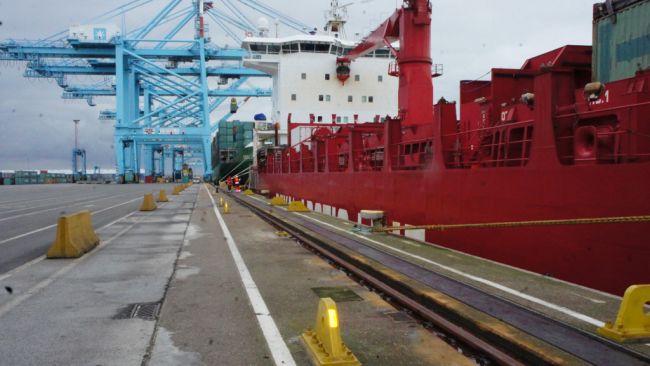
{"x":6,"y":178}
{"x":230,"y":148}
{"x":621,"y":39}
{"x":26,"y":177}
{"x":22,"y":177}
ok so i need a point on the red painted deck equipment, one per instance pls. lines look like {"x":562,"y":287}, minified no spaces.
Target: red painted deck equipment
{"x":542,"y":142}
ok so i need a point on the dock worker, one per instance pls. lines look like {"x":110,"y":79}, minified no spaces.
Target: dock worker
{"x":237,"y":181}
{"x":229,"y":183}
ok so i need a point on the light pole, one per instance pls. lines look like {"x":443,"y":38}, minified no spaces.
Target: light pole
{"x":76,"y":133}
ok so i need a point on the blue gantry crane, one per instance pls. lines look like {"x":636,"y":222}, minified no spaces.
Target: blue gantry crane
{"x":159,"y":76}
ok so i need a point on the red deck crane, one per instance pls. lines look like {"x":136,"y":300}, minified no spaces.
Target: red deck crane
{"x":411,"y":26}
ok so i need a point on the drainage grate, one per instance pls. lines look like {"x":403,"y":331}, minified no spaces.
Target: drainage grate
{"x":338,"y":294}
{"x":145,"y":311}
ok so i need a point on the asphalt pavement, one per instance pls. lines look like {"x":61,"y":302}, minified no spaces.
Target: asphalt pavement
{"x":28,"y":213}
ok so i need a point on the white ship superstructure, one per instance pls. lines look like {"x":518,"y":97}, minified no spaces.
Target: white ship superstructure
{"x":305,"y":83}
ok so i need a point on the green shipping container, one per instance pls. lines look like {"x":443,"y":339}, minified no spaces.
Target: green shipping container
{"x":621,"y":39}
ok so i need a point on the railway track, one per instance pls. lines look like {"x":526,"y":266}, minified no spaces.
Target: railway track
{"x":409,"y":286}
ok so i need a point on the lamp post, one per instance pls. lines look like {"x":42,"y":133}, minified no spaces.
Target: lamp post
{"x":76,"y":133}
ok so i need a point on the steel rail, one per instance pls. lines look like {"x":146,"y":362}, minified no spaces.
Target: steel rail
{"x":466,"y":337}
{"x":583,"y":345}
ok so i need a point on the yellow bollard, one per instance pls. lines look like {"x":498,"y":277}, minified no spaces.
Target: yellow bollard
{"x":226,"y":209}
{"x":278,"y":201}
{"x":162,"y":196}
{"x":221,"y":201}
{"x":324,"y":343}
{"x":297,"y":206}
{"x":148,"y":203}
{"x":632,"y":322}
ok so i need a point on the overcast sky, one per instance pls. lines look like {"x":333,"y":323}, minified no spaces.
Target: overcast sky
{"x":468,"y":36}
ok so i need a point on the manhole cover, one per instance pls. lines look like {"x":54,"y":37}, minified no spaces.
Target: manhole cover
{"x":338,"y":294}
{"x":145,"y":311}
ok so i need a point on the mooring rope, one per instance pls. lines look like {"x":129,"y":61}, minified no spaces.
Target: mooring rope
{"x":491,"y":225}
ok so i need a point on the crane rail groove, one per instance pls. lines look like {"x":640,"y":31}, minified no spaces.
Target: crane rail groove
{"x":501,"y":351}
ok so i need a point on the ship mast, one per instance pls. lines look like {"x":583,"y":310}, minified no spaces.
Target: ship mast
{"x":336,"y":17}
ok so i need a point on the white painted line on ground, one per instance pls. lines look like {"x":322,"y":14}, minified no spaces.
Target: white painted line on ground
{"x":27,"y":234}
{"x":70,"y":204}
{"x":43,"y":284}
{"x":36,"y":260}
{"x":78,"y":200}
{"x":484,"y":281}
{"x":407,"y":242}
{"x":274,"y":340}
{"x":21,"y":267}
{"x":13,"y":203}
{"x":54,"y":225}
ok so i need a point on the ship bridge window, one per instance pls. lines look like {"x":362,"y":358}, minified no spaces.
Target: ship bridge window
{"x":357,"y":77}
{"x":290,"y":48}
{"x":350,"y":99}
{"x":371,"y":99}
{"x":257,"y":47}
{"x":336,"y":50}
{"x":274,"y":49}
{"x":303,"y":76}
{"x":322,"y":48}
{"x":380,"y":78}
{"x":307,"y":47}
{"x":383,"y":53}
{"x":293,"y":97}
{"x":327,"y":76}
{"x":321,"y":98}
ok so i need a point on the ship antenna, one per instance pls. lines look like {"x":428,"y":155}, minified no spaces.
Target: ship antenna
{"x":336,"y":18}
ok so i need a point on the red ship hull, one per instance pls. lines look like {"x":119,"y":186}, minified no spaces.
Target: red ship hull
{"x":608,"y":257}
{"x":543,"y":142}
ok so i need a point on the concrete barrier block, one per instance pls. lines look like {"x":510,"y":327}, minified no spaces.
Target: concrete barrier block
{"x":75,"y":236}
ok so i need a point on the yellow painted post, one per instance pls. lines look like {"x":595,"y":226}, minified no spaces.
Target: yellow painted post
{"x":226,"y":208}
{"x":324,"y":343}
{"x":221,"y":201}
{"x":148,"y":203}
{"x":162,"y":196}
{"x":632,"y":322}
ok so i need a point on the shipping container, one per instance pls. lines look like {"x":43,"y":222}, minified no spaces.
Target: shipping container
{"x":230,"y":154}
{"x":621,"y":39}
